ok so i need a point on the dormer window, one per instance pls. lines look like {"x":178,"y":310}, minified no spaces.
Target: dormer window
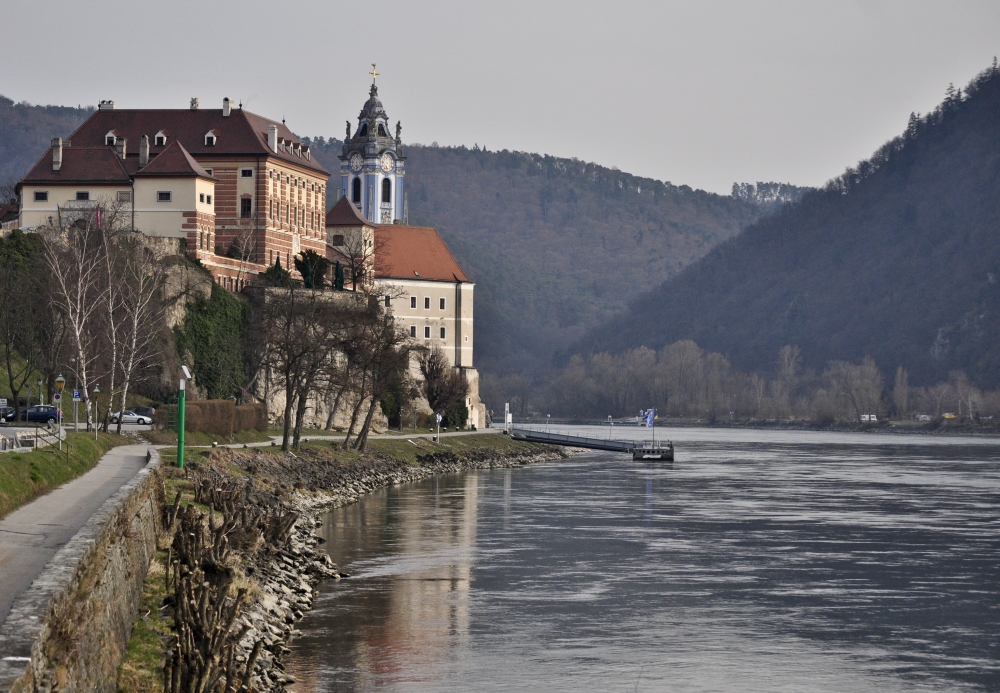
{"x":160,"y":139}
{"x":111,"y":139}
{"x":210,"y":138}
{"x":381,"y":130}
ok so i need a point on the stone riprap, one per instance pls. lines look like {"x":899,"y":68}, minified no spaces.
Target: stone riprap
{"x":69,"y":630}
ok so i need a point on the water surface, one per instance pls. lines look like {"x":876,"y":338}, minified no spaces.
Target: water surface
{"x":762,"y":561}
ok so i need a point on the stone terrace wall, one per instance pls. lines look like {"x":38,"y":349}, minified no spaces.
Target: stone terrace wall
{"x":76,"y":619}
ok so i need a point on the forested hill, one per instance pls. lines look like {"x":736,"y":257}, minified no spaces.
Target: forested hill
{"x":899,"y":259}
{"x":556,"y":246}
{"x":26,"y":131}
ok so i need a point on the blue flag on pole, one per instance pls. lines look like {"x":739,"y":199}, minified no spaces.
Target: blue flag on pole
{"x":649,"y":418}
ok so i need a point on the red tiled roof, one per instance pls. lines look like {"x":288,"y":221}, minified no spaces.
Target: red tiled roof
{"x":414,"y":252}
{"x":174,"y":160}
{"x":80,"y":165}
{"x":242,"y":133}
{"x":344,"y":213}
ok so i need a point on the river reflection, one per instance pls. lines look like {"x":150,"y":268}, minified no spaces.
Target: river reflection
{"x":811,"y":562}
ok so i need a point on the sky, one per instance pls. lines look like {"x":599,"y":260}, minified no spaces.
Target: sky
{"x":698,"y":93}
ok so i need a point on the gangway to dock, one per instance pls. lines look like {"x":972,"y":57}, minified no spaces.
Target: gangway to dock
{"x":638,"y":449}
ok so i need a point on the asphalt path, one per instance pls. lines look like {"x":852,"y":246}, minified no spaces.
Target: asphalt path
{"x":31,"y":535}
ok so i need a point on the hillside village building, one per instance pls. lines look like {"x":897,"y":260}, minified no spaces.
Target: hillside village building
{"x":240,"y":192}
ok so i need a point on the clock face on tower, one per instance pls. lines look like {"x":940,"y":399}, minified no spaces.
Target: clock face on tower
{"x":356,"y":162}
{"x":387,"y":162}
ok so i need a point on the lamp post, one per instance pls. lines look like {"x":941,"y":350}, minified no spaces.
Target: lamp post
{"x":548,"y":418}
{"x":41,"y":397}
{"x":97,"y":391}
{"x":60,"y":384}
{"x":180,"y":417}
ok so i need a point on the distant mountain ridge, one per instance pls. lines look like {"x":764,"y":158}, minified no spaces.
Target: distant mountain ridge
{"x":898,"y":258}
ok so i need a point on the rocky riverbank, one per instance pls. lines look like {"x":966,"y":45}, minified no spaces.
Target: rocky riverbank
{"x":274,"y":575}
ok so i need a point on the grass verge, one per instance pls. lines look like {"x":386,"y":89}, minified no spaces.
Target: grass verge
{"x":141,"y":669}
{"x":25,"y":476}
{"x":201,"y":438}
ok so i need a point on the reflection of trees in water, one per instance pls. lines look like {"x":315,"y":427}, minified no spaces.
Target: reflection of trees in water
{"x":387,"y":625}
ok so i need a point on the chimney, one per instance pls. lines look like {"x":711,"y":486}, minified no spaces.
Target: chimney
{"x":225,"y":107}
{"x":194,"y":103}
{"x":272,"y":137}
{"x":56,"y":153}
{"x":120,"y":146}
{"x":144,"y":150}
{"x":106,"y":106}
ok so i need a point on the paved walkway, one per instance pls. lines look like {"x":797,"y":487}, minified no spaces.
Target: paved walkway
{"x":31,"y":535}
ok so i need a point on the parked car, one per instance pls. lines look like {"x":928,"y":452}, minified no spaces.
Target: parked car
{"x":45,"y":413}
{"x":148,"y":412}
{"x":6,"y":414}
{"x":129,"y":416}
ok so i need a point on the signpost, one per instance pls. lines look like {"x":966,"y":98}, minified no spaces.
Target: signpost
{"x":76,"y":418}
{"x":437,"y":438}
{"x":60,"y":384}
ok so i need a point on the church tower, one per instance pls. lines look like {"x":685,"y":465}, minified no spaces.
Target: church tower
{"x":372,"y":163}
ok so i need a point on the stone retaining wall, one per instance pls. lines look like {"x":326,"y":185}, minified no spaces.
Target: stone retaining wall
{"x":74,"y":623}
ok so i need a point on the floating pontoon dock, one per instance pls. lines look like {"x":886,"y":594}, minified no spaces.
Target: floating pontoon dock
{"x":638,"y":449}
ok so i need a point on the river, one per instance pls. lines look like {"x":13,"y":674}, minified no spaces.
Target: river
{"x":760,"y":561}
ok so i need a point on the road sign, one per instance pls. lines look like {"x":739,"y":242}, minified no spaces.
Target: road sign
{"x":56,"y":397}
{"x":3,"y":402}
{"x":76,"y":396}
{"x":439,"y":418}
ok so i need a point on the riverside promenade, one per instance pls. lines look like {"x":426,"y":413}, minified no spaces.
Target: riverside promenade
{"x":31,"y":535}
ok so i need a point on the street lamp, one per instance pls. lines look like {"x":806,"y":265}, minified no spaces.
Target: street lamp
{"x":97,"y":391}
{"x":60,"y":384}
{"x":180,"y":417}
{"x":41,"y":399}
{"x":548,"y":417}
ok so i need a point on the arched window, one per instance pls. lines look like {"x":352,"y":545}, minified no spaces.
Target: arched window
{"x":356,"y":192}
{"x":381,"y":131}
{"x":363,"y":131}
{"x":386,"y":190}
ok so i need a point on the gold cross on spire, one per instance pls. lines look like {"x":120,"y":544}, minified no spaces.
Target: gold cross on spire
{"x":373,"y":73}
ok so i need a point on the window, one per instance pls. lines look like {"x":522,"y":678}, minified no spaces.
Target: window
{"x":210,"y":139}
{"x":386,"y":191}
{"x":246,"y":205}
{"x":82,"y":196}
{"x":388,"y":301}
{"x":427,"y":302}
{"x":160,"y":139}
{"x":338,"y":239}
{"x":363,"y":130}
{"x":124,"y":195}
{"x":110,"y":140}
{"x":41,"y":196}
{"x":427,"y":332}
{"x":442,"y":333}
{"x":413,"y":301}
{"x":209,"y":172}
{"x":246,"y":173}
{"x":208,"y":199}
{"x":270,"y":174}
{"x":381,"y":130}
{"x":413,"y":330}
{"x":441,"y":303}
{"x":163,"y":196}
{"x":356,"y":191}
{"x":201,"y":197}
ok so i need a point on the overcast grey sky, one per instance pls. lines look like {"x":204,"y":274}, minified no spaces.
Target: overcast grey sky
{"x":697,"y":93}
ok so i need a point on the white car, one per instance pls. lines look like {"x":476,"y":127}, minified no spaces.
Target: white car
{"x":130,"y":417}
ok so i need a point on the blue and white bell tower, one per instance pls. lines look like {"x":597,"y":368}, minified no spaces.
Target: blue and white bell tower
{"x":372,"y":164}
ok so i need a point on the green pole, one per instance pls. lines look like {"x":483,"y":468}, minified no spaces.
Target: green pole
{"x":180,"y":427}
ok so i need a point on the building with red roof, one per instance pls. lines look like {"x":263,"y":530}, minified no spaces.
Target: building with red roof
{"x":239,"y":189}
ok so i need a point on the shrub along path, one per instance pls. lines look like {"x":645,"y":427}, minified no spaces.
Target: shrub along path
{"x":31,"y":535}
